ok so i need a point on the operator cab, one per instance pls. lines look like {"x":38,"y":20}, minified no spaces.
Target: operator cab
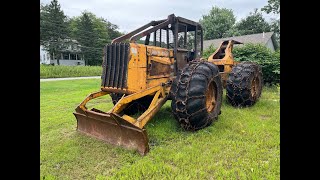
{"x":183,"y":36}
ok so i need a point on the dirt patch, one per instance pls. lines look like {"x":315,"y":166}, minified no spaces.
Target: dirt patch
{"x":264,"y":117}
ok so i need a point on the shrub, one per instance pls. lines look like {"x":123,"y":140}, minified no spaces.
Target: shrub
{"x":207,"y":52}
{"x":269,"y":61}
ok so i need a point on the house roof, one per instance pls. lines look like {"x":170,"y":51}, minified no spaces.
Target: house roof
{"x":261,"y":38}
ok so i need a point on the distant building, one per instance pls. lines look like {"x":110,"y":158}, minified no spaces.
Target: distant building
{"x":71,"y":56}
{"x":267,"y":39}
{"x":44,"y":56}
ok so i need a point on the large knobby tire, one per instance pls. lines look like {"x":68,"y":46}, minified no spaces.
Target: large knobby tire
{"x":196,"y":95}
{"x":139,"y":105}
{"x":244,"y":84}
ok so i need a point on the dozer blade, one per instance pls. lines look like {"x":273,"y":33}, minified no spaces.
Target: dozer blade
{"x":112,"y":128}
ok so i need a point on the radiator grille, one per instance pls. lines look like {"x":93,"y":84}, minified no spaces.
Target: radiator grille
{"x":115,"y":65}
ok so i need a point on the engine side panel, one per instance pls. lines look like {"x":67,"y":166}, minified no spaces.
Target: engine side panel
{"x":144,"y":67}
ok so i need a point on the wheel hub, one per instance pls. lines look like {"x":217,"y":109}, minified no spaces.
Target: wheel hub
{"x":254,"y":86}
{"x":211,"y":97}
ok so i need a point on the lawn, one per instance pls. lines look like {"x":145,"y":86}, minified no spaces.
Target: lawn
{"x":47,"y":71}
{"x":242,"y":144}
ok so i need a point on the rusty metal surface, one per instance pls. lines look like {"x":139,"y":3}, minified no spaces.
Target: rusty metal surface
{"x":189,"y":22}
{"x":157,"y":68}
{"x":224,"y":78}
{"x":115,"y":65}
{"x":211,"y":97}
{"x":104,"y":64}
{"x":149,"y":31}
{"x":126,"y":36}
{"x":112,"y":129}
{"x":181,"y":58}
{"x":114,"y":126}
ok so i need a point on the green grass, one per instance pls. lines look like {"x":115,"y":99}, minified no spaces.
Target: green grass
{"x":69,"y":71}
{"x":242,"y":144}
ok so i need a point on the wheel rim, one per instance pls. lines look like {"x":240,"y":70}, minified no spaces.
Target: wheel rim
{"x":211,"y":97}
{"x":255,"y":86}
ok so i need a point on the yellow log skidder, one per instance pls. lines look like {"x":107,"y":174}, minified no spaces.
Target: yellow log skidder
{"x":141,"y":75}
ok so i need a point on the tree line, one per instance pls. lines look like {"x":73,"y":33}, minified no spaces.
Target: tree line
{"x":57,"y":31}
{"x":221,"y":22}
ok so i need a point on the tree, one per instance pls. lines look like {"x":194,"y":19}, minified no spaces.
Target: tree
{"x":112,"y":30}
{"x":273,"y":6}
{"x":233,"y":31}
{"x":88,"y":39}
{"x":102,"y":30}
{"x":275,"y":27}
{"x":217,"y":22}
{"x":252,"y":24}
{"x":190,"y":40}
{"x":53,"y":29}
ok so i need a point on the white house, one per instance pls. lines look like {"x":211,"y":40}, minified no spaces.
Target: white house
{"x":44,"y":56}
{"x":70,"y":56}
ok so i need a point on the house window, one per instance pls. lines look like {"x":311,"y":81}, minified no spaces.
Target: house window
{"x":53,"y":56}
{"x":72,"y":57}
{"x":44,"y":57}
{"x":65,"y":56}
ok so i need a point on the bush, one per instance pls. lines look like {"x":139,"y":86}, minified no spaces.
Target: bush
{"x":269,"y":61}
{"x":207,"y":52}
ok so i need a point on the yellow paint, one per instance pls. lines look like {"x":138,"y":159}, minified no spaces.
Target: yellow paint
{"x":228,"y":58}
{"x":137,"y":68}
{"x":129,"y":119}
{"x":119,"y":106}
{"x":163,"y":60}
{"x":150,"y":112}
{"x":158,"y":100}
{"x":82,"y":105}
{"x":227,"y":61}
{"x":159,"y":97}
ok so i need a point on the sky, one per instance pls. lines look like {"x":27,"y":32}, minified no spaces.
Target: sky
{"x":131,"y":14}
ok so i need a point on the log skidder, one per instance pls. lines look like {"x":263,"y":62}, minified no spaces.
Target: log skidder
{"x":162,"y":61}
